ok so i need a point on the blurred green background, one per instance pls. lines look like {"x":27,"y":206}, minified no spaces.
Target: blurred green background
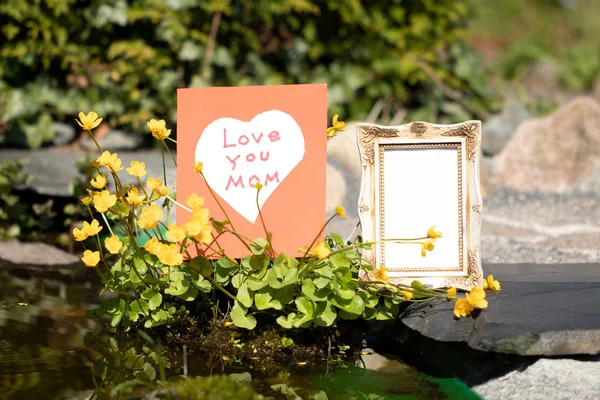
{"x":441,"y":61}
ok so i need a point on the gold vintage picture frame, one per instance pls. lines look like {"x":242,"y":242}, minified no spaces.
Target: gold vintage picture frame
{"x":414,"y":176}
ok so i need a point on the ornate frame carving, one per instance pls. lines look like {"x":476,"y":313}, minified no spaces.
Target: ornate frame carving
{"x":466,"y":138}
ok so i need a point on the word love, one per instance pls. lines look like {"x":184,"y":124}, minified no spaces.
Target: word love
{"x":237,"y":155}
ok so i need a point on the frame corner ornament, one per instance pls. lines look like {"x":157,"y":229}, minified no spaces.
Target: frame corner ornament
{"x":471,"y":130}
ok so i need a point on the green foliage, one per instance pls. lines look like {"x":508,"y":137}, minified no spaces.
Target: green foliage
{"x":18,"y":217}
{"x":125,"y":58}
{"x":218,"y":387}
{"x":580,"y":66}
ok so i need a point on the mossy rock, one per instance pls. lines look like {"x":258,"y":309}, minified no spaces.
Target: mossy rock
{"x":219,"y":387}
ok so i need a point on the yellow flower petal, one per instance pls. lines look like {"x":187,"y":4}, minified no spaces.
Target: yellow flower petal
{"x":407,"y":295}
{"x":476,"y":297}
{"x":193,"y":201}
{"x":340,"y":211}
{"x":433,"y":234}
{"x":462,"y":308}
{"x":137,"y":168}
{"x":176,"y":233}
{"x":452,"y":292}
{"x":321,"y":250}
{"x":91,"y":258}
{"x":381,"y":274}
{"x":113,"y":244}
{"x":198,"y":167}
{"x":99,"y":182}
{"x":89,"y":121}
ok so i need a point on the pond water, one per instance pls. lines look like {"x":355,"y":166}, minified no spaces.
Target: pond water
{"x":43,"y":325}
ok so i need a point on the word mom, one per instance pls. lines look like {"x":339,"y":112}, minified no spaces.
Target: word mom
{"x":250,"y":157}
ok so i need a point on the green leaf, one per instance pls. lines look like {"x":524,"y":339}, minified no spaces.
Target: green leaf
{"x":255,"y":284}
{"x":258,"y":246}
{"x":286,"y":342}
{"x":202,"y":265}
{"x":289,"y":277}
{"x":286,"y":322}
{"x":310,"y":290}
{"x":158,"y":318}
{"x":244,"y":296}
{"x":154,"y":298}
{"x":370,"y":298}
{"x":325,"y":314}
{"x":138,"y":307}
{"x":121,"y":209}
{"x":241,"y":318}
{"x":244,"y":378}
{"x":263,"y":300}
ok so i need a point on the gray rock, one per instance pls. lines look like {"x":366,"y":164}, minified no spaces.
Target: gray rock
{"x":35,"y":257}
{"x":53,"y":170}
{"x":498,"y":130}
{"x":545,"y":310}
{"x":63,"y":133}
{"x":115,"y":140}
{"x":336,"y":188}
{"x":554,"y":152}
{"x":555,"y":379}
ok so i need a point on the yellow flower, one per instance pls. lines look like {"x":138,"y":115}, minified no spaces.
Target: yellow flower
{"x":92,"y":229}
{"x":110,"y":161}
{"x":321,"y":250}
{"x":159,"y":129}
{"x":137,"y":169}
{"x":427,"y":246}
{"x":205,"y":235}
{"x":86,"y":201}
{"x":335,"y":126}
{"x":198,"y":167}
{"x":340,"y":211}
{"x":381,"y":274}
{"x":89,"y":121}
{"x":338,"y":125}
{"x":193,"y":201}
{"x":476,"y":297}
{"x":433,"y":234}
{"x":91,"y":258}
{"x":176,"y":233}
{"x":134,"y":197}
{"x":152,"y":246}
{"x":258,"y":186}
{"x":491,"y":284}
{"x":194,"y":226}
{"x":162,"y":191}
{"x":156,"y":126}
{"x":462,"y":308}
{"x":407,"y":295}
{"x":104,"y":200}
{"x":99,"y":182}
{"x":452,"y":292}
{"x":150,"y":216}
{"x":153,"y":183}
{"x":201,"y":214}
{"x":113,"y":244}
{"x":80,"y":234}
{"x":170,"y":255}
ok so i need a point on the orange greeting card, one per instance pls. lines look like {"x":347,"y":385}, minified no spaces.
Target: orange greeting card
{"x":275,"y":135}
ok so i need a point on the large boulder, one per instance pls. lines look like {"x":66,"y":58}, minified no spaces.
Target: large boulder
{"x":498,"y":130}
{"x":552,"y":153}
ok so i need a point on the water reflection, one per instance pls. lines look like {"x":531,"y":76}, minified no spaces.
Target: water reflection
{"x":48,"y":350}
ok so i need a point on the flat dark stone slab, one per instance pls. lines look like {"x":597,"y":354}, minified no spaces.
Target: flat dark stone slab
{"x":543,"y":309}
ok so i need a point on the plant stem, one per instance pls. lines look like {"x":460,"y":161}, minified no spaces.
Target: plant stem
{"x":319,"y":234}
{"x":217,"y":200}
{"x":264,"y":225}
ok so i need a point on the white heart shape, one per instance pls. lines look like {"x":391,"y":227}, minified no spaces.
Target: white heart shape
{"x":237,"y":154}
